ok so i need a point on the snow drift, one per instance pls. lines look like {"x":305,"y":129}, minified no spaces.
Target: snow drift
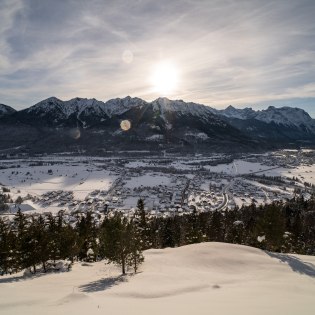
{"x":207,"y":278}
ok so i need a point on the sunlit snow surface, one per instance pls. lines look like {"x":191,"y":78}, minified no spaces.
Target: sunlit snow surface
{"x":202,"y":279}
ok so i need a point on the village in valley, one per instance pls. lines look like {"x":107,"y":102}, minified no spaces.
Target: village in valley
{"x":168,"y":184}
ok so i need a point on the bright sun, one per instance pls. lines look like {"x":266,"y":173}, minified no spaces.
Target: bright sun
{"x":164,"y":78}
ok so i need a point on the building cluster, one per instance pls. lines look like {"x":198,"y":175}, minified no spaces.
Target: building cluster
{"x":168,"y":191}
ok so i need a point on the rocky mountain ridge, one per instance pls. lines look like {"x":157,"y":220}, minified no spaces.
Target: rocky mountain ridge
{"x":159,"y":123}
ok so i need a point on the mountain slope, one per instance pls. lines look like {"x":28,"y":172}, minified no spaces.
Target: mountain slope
{"x":164,"y":122}
{"x":53,"y":124}
{"x":232,"y":112}
{"x":6,"y":110}
{"x":275,"y":124}
{"x":86,"y":112}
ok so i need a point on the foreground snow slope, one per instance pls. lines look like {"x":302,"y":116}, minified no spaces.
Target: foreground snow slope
{"x":208,"y":278}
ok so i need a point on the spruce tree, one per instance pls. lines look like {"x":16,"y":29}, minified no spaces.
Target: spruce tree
{"x":69,"y":243}
{"x":53,"y":231}
{"x":87,"y":232}
{"x":6,"y":247}
{"x":120,"y":243}
{"x":21,"y":229}
{"x":271,"y":224}
{"x":136,"y":245}
{"x":41,"y":237}
{"x":216,"y":228}
{"x":141,"y":221}
{"x":194,"y":234}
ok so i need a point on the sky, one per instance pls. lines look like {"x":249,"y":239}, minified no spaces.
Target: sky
{"x":223,"y":52}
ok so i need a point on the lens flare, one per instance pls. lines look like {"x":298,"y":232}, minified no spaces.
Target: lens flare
{"x":125,"y":125}
{"x":75,"y":133}
{"x":127,"y":56}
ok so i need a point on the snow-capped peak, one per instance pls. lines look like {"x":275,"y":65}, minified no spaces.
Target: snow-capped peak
{"x":77,"y":106}
{"x":287,"y":116}
{"x":232,"y":112}
{"x":118,"y":106}
{"x":84,"y":109}
{"x":165,"y":105}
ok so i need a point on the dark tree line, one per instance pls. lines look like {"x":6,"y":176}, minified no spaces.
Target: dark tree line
{"x":279,"y":227}
{"x":33,"y":241}
{"x":29,"y":241}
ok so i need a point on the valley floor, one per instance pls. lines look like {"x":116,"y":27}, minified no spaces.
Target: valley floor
{"x":206,"y":278}
{"x":168,"y":185}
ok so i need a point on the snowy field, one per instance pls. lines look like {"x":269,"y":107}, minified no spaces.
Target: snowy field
{"x":241,"y":167}
{"x":207,"y":278}
{"x":149,"y":180}
{"x":161,"y":182}
{"x":306,"y":173}
{"x":238,"y":167}
{"x":37,"y":180}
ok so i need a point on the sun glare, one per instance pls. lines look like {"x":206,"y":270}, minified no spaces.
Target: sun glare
{"x":164,"y":78}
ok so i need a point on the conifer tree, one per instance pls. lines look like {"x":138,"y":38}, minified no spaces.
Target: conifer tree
{"x":120,"y":243}
{"x":215,"y":231}
{"x":194,"y":234}
{"x":53,"y":231}
{"x":136,"y":245}
{"x":141,"y":222}
{"x":69,"y":243}
{"x":6,"y":247}
{"x":87,"y":232}
{"x":41,"y":237}
{"x":22,"y":250}
{"x":271,"y":225}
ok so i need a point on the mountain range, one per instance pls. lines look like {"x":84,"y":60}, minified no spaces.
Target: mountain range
{"x":89,"y":124}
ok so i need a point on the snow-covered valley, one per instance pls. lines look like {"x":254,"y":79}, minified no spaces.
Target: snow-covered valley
{"x":168,"y":184}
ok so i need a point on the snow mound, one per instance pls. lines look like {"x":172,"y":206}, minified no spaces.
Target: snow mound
{"x":197,"y":279}
{"x":195,"y":268}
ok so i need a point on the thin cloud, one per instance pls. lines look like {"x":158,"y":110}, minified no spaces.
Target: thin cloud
{"x":227,"y":52}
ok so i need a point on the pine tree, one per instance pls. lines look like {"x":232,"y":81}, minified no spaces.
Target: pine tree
{"x":141,"y":221}
{"x":216,"y":231}
{"x":41,"y":237}
{"x":53,"y":230}
{"x":136,"y":244}
{"x":69,"y":243}
{"x":120,"y":243}
{"x":194,"y":234}
{"x":271,"y":224}
{"x":7,"y":240}
{"x":19,"y":200}
{"x":167,"y":233}
{"x":87,"y":235}
{"x":21,"y":253}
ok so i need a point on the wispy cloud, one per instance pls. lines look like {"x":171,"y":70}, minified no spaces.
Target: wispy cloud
{"x":227,"y":52}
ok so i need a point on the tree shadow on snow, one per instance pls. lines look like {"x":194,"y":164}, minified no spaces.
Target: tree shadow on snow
{"x":102,"y":284}
{"x":296,"y":264}
{"x":12,"y":278}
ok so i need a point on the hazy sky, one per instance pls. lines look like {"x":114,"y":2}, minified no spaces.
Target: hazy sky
{"x":239,"y":52}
